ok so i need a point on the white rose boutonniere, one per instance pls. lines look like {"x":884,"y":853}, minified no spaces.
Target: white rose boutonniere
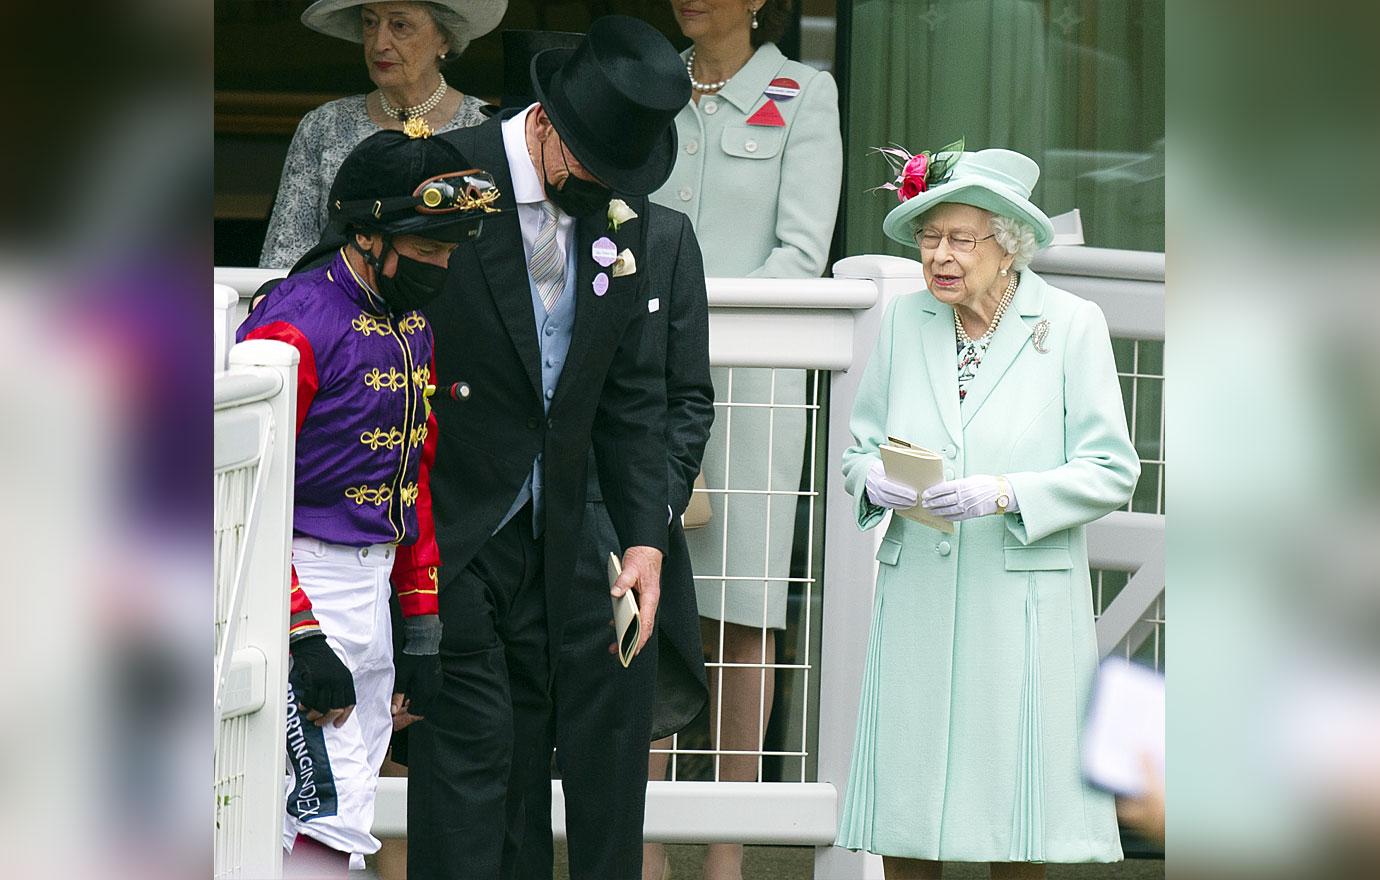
{"x":620,"y":213}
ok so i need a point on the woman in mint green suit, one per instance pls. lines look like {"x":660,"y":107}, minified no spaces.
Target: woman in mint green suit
{"x":982,"y":650}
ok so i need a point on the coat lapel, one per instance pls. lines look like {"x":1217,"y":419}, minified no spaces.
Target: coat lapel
{"x":941,"y":363}
{"x":1012,"y":336}
{"x":502,"y":262}
{"x":588,"y":307}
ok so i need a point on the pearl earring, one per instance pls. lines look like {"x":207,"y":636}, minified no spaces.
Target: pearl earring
{"x":754,"y":19}
{"x":1003,"y":272}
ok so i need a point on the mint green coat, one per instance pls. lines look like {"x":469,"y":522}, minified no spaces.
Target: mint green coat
{"x":762,"y":200}
{"x":982,"y":651}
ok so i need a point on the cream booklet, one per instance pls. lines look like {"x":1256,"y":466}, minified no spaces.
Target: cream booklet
{"x":627,"y":623}
{"x":920,"y":469}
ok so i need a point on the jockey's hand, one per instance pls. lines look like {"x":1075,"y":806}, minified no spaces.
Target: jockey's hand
{"x":324,"y":686}
{"x":417,"y":681}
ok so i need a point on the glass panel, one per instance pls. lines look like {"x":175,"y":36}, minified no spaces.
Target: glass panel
{"x":1077,"y":86}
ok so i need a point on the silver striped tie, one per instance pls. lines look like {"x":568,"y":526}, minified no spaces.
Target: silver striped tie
{"x":547,"y":266}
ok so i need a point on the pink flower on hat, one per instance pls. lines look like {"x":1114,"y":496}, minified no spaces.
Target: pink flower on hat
{"x":915,"y":174}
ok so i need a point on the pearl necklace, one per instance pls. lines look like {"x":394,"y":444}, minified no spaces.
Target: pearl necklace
{"x":996,"y":318}
{"x":419,"y":110}
{"x":696,"y":84}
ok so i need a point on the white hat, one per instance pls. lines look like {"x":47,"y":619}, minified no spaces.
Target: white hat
{"x":340,"y":18}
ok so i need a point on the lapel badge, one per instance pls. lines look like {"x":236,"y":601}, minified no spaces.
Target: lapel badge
{"x":783,"y":88}
{"x":601,"y":284}
{"x":1041,"y":332}
{"x":768,"y":116}
{"x":604,"y":251}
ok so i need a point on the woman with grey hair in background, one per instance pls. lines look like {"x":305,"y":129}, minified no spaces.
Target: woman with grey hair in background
{"x":982,"y":651}
{"x":405,"y":45}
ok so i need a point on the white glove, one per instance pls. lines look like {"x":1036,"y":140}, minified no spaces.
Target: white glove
{"x":884,"y":492}
{"x":966,"y":498}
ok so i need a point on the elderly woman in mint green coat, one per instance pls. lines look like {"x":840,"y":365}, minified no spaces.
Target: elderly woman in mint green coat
{"x":982,"y":649}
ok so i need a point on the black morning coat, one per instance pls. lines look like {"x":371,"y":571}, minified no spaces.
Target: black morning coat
{"x":677,"y":338}
{"x":611,"y":392}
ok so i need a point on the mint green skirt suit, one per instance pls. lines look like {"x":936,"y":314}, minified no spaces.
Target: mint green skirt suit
{"x":762,"y":200}
{"x":982,"y":651}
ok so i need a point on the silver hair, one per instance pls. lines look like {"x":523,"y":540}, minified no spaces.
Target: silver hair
{"x":451,"y":24}
{"x":1017,"y":238}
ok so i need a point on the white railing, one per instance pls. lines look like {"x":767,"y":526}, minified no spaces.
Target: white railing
{"x":829,"y":326}
{"x":255,"y":406}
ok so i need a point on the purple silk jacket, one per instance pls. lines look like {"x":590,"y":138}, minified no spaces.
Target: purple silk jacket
{"x":366,"y":437}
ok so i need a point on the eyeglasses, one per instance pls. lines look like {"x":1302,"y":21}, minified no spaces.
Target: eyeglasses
{"x":961,"y":242}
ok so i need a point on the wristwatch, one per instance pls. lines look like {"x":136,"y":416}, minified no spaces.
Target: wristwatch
{"x":1003,"y":495}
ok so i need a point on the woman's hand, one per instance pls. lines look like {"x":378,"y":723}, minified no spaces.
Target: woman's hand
{"x":888,"y":493}
{"x":966,"y":498}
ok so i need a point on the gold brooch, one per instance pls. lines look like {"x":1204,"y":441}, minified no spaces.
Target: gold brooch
{"x":416,"y":127}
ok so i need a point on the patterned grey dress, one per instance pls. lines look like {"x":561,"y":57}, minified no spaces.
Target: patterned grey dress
{"x":324,"y":138}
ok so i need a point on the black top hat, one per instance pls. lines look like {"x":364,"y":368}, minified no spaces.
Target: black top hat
{"x":613,"y":100}
{"x":518,"y":48}
{"x":379,"y":186}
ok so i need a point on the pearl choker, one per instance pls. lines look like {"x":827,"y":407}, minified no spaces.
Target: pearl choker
{"x":419,"y":110}
{"x":696,"y":84}
{"x":996,"y":317}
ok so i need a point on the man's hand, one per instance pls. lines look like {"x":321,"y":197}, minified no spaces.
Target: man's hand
{"x":326,"y":689}
{"x":641,"y":574}
{"x":1145,"y":812}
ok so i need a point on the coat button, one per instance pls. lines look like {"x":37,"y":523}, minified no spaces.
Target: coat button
{"x":944,"y":548}
{"x":711,"y":107}
{"x":750,"y":146}
{"x":948,"y":473}
{"x":692,"y":147}
{"x":533,"y":423}
{"x":685,"y":193}
{"x":551,"y":423}
{"x":463,"y":390}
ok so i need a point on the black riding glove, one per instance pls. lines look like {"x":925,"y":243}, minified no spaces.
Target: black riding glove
{"x":321,"y":680}
{"x":418,"y":667}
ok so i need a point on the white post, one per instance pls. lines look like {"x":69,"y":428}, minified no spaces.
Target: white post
{"x":226,"y":300}
{"x":848,"y":561}
{"x":266,"y":608}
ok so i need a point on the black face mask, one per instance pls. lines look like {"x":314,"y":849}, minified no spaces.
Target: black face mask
{"x":413,"y":284}
{"x":576,"y":197}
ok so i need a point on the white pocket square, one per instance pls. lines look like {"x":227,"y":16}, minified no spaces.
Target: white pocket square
{"x":625,"y":264}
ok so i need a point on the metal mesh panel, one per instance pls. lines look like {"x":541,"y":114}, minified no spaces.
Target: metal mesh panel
{"x":1140,"y":366}
{"x":766,"y":426}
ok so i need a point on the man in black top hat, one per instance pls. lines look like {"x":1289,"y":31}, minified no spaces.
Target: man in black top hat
{"x":540,"y":353}
{"x":605,"y":716}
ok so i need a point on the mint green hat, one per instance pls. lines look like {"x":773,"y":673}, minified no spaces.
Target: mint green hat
{"x":995,"y":180}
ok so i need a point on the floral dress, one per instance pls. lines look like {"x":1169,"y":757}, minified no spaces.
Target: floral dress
{"x":969,"y":359}
{"x":324,"y":138}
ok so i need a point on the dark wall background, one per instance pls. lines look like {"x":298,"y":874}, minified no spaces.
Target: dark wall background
{"x":270,"y":70}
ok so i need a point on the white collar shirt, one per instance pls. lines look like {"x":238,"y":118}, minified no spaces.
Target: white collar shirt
{"x":528,"y":191}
